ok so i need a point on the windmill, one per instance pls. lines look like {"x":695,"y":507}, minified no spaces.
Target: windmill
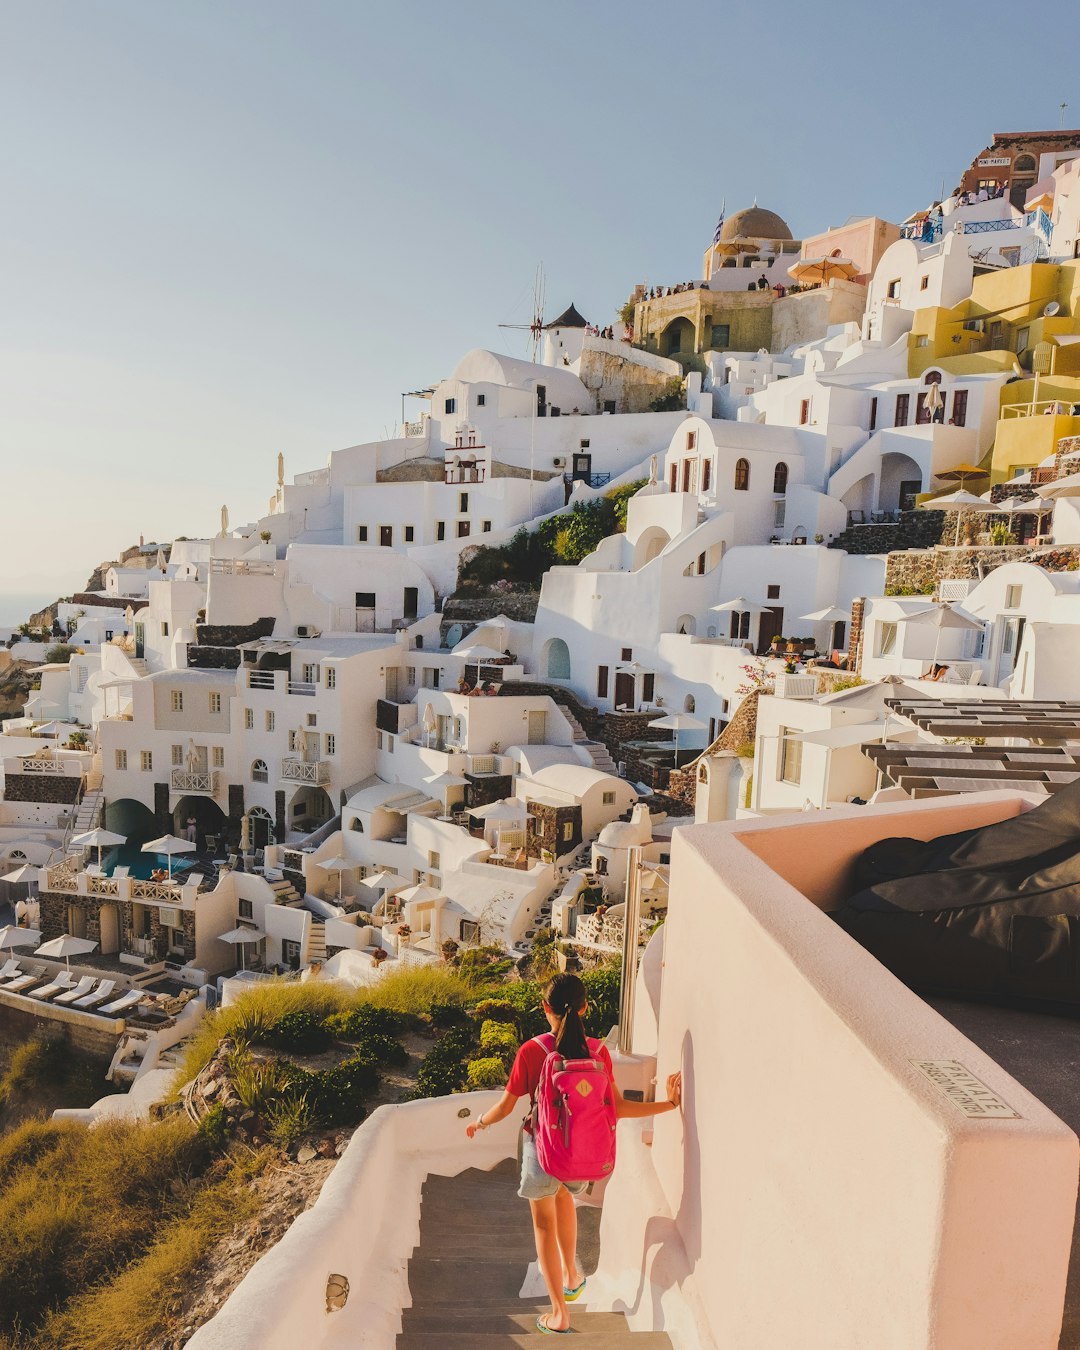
{"x":536,"y":327}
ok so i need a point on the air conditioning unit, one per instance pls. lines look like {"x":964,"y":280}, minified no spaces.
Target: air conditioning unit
{"x":559,"y":461}
{"x":306,"y":630}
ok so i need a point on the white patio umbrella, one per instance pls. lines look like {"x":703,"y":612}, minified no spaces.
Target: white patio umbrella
{"x":1018,"y":506}
{"x":1069,"y":486}
{"x":478,"y":652}
{"x":385,"y":881}
{"x":169,"y":844}
{"x":98,"y":839}
{"x":23,"y":875}
{"x":940,"y":617}
{"x":507,"y":809}
{"x":677,"y":722}
{"x":240,"y":937}
{"x":958,"y":501}
{"x":415,"y":893}
{"x":50,"y":729}
{"x":13,"y":936}
{"x":66,"y":946}
{"x":740,"y":605}
{"x":340,"y":865}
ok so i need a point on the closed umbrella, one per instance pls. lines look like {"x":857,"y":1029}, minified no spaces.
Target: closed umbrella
{"x":958,"y":502}
{"x":934,"y":401}
{"x":169,"y":844}
{"x":66,"y":947}
{"x":224,"y":521}
{"x":13,"y":936}
{"x":98,"y":839}
{"x":160,"y":562}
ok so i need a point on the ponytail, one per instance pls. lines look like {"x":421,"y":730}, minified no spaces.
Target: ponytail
{"x":566,"y":996}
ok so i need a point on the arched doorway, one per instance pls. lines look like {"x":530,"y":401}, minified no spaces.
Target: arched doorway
{"x":131,"y":818}
{"x":677,"y":337}
{"x":901,"y":482}
{"x":310,"y":807}
{"x":650,"y":544}
{"x":210,"y":820}
{"x":261,"y":827}
{"x":556,"y":659}
{"x":109,"y":930}
{"x":686,"y":624}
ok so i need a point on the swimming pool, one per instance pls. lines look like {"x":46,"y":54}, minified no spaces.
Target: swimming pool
{"x":141,"y":865}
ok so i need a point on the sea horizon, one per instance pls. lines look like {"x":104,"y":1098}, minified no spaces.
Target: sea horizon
{"x":17,"y":606}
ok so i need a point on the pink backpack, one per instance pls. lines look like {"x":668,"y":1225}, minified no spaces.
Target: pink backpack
{"x":573,"y":1117}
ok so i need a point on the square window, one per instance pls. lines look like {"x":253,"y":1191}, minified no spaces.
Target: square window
{"x":450,"y":405}
{"x":627,"y":654}
{"x":378,"y":740}
{"x":486,"y":527}
{"x":1012,"y":596}
{"x":331,"y":677}
{"x":218,"y":759}
{"x":177,"y":700}
{"x":609,"y":799}
{"x":922,"y":340}
{"x":601,"y":681}
{"x":270,"y":719}
{"x":330,"y":743}
{"x":567,"y":830}
{"x":463,"y":501}
{"x":215,"y":703}
{"x":410,"y":674}
{"x":361,"y":534}
{"x":178,"y":756}
{"x":893,"y":291}
{"x":481,"y":400}
{"x":463,"y":528}
{"x":249,"y":721}
{"x":244,"y":909}
{"x":772,"y":592}
{"x":146,"y":761}
{"x":121,"y":759}
{"x":164,"y":630}
{"x":790,"y":757}
{"x":923,"y":283}
{"x":410,"y":533}
{"x":313,"y":719}
{"x":440,"y":529}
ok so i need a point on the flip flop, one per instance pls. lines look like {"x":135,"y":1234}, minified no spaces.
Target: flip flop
{"x":571,"y":1294}
{"x":541,"y":1325}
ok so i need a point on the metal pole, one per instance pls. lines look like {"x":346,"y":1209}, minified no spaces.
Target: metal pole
{"x":631,"y":920}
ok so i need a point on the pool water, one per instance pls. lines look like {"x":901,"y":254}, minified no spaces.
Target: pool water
{"x":140,"y":864}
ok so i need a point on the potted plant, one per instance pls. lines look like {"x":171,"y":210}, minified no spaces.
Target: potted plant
{"x":777,"y":641}
{"x":265,"y":536}
{"x":819,"y":538}
{"x":378,"y":956}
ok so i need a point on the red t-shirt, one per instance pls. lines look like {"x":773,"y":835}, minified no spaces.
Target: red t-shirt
{"x":529,"y":1063}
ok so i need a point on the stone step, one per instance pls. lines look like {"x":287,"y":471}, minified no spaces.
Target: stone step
{"x":519,"y":1316}
{"x":502,"y":1340}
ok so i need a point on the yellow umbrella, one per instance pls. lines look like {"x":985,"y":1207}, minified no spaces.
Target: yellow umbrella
{"x":823,"y":270}
{"x":961,"y":473}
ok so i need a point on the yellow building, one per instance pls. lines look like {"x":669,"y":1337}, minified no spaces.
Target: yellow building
{"x":1025,"y":319}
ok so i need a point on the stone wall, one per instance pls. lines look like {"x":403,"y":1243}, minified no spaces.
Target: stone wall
{"x":55,"y":906}
{"x":232,"y":634}
{"x":548,"y":831}
{"x":213,"y":658}
{"x":473,"y":610}
{"x":632,"y":387}
{"x":489,"y":787}
{"x":58,"y":788}
{"x":915,"y":529}
{"x":98,"y":1043}
{"x":918,"y":572}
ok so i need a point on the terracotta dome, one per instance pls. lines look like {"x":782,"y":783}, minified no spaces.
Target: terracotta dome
{"x":754,"y":223}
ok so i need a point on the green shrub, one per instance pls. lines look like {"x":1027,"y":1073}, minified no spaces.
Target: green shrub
{"x":33,"y":1063}
{"x":300,"y":1030}
{"x":444,"y":1015}
{"x":499,"y":1038}
{"x":214,"y":1128}
{"x":602,"y":985}
{"x":498,"y":1010}
{"x":486,"y":1073}
{"x":59,"y":653}
{"x":257,"y":1085}
{"x":354,"y":1024}
{"x":339,"y":1093}
{"x":444,"y":1069}
{"x":415,"y":989}
{"x":291,"y":1118}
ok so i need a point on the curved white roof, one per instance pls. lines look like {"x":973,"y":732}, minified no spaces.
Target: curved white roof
{"x":574,"y":779}
{"x":622,"y":834}
{"x":564,"y":389}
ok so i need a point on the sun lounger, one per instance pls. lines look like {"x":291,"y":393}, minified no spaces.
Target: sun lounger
{"x":123,"y":1003}
{"x":100,"y":995}
{"x":32,"y":976}
{"x":120,"y":872}
{"x":81,"y":989}
{"x":11,"y":971}
{"x":60,"y":985}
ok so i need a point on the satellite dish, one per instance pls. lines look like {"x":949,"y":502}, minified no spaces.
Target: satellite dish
{"x":1051,"y":309}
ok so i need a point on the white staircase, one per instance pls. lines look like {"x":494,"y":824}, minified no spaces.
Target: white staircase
{"x":285,"y":893}
{"x":138,"y":665}
{"x":596,"y":750}
{"x":316,"y":947}
{"x":87,"y":817}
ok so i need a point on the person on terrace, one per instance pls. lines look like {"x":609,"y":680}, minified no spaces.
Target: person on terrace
{"x":551,"y":1202}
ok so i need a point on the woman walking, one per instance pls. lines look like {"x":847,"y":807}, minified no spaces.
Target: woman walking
{"x":551,"y":1200}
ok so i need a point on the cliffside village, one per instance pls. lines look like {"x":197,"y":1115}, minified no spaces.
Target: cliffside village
{"x":848,"y":574}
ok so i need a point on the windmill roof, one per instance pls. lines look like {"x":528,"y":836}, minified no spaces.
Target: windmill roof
{"x":569,"y":318}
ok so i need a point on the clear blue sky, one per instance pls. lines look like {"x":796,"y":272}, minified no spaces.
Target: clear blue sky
{"x":233,"y":227}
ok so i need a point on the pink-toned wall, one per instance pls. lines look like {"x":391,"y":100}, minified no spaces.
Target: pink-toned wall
{"x":863,"y":241}
{"x":818,"y":1191}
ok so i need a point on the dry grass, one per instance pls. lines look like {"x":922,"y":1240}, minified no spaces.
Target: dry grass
{"x":414,"y":989}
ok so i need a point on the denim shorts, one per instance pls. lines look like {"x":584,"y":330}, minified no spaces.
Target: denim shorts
{"x":535,"y":1182}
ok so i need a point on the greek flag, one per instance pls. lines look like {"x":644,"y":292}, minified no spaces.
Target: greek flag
{"x":719,"y":225}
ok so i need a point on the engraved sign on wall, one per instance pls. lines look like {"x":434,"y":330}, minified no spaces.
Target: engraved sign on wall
{"x":966,"y":1092}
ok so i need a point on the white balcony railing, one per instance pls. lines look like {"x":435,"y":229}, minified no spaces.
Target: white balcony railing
{"x":42,"y":766}
{"x":199,"y":780}
{"x":305,"y":771}
{"x":304,"y":687}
